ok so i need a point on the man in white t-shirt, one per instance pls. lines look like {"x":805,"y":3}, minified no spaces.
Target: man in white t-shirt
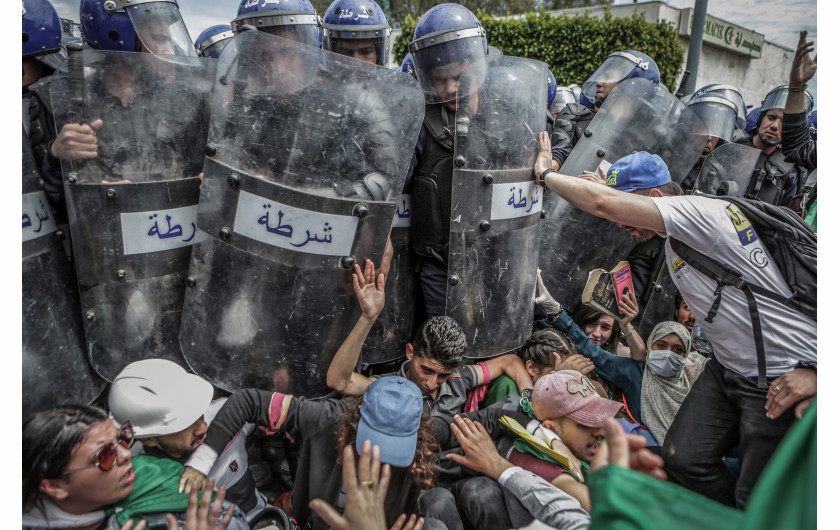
{"x":725,"y":408}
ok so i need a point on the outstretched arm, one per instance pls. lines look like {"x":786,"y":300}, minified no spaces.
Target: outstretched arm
{"x":601,"y":201}
{"x":801,"y":71}
{"x":370,"y":291}
{"x":512,"y":366}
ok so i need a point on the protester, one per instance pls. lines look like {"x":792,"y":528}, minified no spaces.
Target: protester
{"x":78,"y":473}
{"x":728,"y":397}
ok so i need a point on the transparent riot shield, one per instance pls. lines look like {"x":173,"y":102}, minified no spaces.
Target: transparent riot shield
{"x":496,"y":205}
{"x":637,"y":116}
{"x":307,"y":155}
{"x":55,"y":367}
{"x":727,"y":170}
{"x":133,"y":206}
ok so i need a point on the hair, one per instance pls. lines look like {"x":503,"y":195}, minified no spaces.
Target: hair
{"x":542,"y":343}
{"x":678,"y":299}
{"x":442,"y":339}
{"x":424,"y":468}
{"x":586,"y":315}
{"x":668,"y":189}
{"x":49,"y":438}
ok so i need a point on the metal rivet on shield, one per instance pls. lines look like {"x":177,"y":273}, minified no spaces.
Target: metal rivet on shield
{"x":121,"y":274}
{"x":347,"y":262}
{"x":460,"y":161}
{"x":111,"y":193}
{"x":484,"y":225}
{"x":90,"y":316}
{"x":601,"y":153}
{"x":190,"y":281}
{"x":224,"y":233}
{"x":360,"y":211}
{"x":233,"y":180}
{"x":60,"y":234}
{"x":543,"y":215}
{"x":210,"y":150}
{"x":487,"y":179}
{"x":657,"y":288}
{"x":71,"y":179}
{"x":110,"y":6}
{"x":587,"y":133}
{"x":453,"y":279}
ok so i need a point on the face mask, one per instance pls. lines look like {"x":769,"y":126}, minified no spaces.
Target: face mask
{"x":665,"y":363}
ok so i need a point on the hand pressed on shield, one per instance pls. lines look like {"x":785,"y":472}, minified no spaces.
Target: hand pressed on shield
{"x":544,"y":159}
{"x":598,"y":177}
{"x":76,"y":141}
{"x":797,"y":387}
{"x":365,"y":494}
{"x":544,"y":298}
{"x":369,"y":289}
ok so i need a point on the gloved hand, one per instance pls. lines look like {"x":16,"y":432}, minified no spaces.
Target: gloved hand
{"x":543,"y":297}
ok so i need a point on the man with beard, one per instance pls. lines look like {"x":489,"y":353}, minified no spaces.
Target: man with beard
{"x":170,"y":409}
{"x":778,"y":180}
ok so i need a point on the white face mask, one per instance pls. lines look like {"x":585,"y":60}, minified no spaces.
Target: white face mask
{"x":665,"y":363}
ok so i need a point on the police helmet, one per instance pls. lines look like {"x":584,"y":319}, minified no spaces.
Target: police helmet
{"x":618,"y":67}
{"x":347,"y":20}
{"x":213,"y":40}
{"x":291,"y":19}
{"x":42,"y":33}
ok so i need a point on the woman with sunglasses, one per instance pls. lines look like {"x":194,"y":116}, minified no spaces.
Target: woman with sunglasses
{"x":77,"y":466}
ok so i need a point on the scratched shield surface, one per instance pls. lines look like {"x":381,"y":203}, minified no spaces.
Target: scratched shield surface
{"x":637,"y":116}
{"x":496,"y":205}
{"x":307,"y":158}
{"x":54,"y":365}
{"x":133,"y":207}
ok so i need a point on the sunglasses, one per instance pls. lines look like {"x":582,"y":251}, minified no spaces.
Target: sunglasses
{"x":106,"y":456}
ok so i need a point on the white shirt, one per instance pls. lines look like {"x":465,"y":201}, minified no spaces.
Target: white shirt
{"x":720,"y":230}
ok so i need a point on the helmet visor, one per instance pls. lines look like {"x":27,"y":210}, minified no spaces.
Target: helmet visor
{"x":719,"y":117}
{"x":614,"y":70}
{"x":777,"y":98}
{"x":215,"y":49}
{"x":161,"y":29}
{"x":361,"y":45}
{"x":734,"y":96}
{"x":440,"y":66}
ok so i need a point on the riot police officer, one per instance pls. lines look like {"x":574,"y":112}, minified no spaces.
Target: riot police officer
{"x":448,"y":41}
{"x":573,"y":120}
{"x":776,"y":180}
{"x":357,"y":29}
{"x":720,"y":116}
{"x":213,"y":40}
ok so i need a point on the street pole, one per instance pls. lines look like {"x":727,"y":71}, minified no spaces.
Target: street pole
{"x":698,"y":25}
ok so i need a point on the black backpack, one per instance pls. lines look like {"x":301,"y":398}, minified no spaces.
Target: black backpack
{"x":791,"y":243}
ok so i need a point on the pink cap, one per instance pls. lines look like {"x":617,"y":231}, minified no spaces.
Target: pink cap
{"x":572,"y":395}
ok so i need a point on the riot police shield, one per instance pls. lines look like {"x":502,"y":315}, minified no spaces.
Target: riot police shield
{"x":307,"y":155}
{"x":133,"y":206}
{"x":55,"y":367}
{"x":637,"y":116}
{"x":727,"y":170}
{"x":496,"y":205}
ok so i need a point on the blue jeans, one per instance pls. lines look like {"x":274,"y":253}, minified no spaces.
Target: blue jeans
{"x":723,"y":410}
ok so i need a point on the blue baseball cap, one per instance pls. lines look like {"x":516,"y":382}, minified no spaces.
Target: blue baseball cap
{"x":638,"y":171}
{"x":391,"y":410}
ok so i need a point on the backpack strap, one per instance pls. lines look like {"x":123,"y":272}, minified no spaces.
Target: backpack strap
{"x":726,"y":275}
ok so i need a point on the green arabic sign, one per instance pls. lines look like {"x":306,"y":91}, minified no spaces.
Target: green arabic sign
{"x":724,"y":34}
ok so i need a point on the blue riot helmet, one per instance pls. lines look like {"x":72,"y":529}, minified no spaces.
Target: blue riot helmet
{"x":562,"y":97}
{"x":777,"y":98}
{"x":135,"y":25}
{"x":407,"y":65}
{"x":552,"y":88}
{"x":717,"y":112}
{"x":42,"y":33}
{"x":357,"y":29}
{"x":619,"y":66}
{"x":291,"y":19}
{"x":812,"y":124}
{"x":449,"y":43}
{"x":752,"y":119}
{"x":732,"y":94}
{"x":213,"y":40}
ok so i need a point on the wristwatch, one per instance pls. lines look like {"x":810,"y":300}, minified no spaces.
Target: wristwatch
{"x":543,"y":174}
{"x":807,"y":364}
{"x":527,"y":393}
